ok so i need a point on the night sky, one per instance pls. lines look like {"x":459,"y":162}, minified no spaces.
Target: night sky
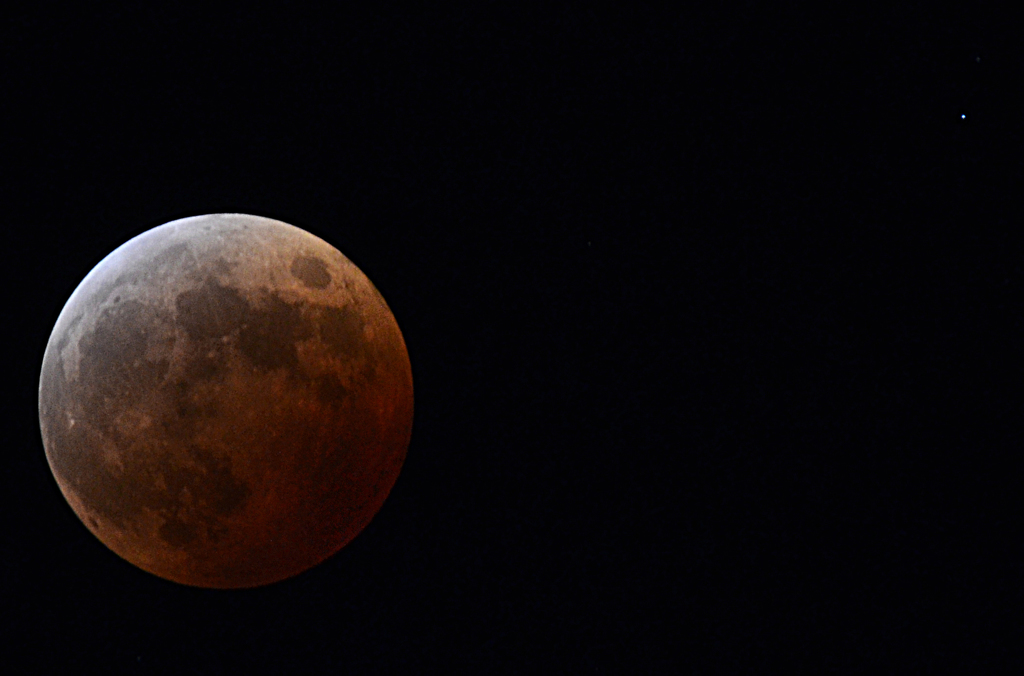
{"x":714,"y":318}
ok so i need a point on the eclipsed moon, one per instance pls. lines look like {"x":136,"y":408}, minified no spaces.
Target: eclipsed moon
{"x":226,"y":401}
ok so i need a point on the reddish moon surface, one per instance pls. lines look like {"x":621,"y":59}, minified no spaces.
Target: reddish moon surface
{"x":226,"y":401}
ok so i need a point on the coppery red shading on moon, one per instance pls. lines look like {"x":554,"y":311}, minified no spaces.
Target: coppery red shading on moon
{"x":226,"y":401}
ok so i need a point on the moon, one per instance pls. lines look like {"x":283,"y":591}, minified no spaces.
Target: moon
{"x":226,"y":401}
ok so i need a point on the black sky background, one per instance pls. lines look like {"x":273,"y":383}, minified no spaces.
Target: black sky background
{"x":714,"y":320}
